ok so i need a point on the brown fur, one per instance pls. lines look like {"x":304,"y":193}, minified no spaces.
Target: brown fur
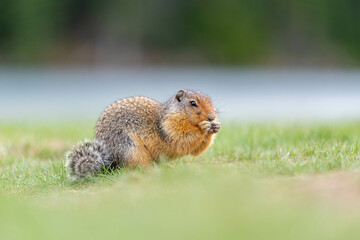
{"x":138,"y":130}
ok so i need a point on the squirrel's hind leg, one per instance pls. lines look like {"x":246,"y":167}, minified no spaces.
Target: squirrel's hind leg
{"x":129,"y":152}
{"x":139,"y":155}
{"x":138,"y":158}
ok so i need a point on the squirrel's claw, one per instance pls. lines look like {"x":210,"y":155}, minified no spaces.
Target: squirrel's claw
{"x":210,"y":127}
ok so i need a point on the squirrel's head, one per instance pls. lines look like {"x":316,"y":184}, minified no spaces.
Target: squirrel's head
{"x":197,"y":106}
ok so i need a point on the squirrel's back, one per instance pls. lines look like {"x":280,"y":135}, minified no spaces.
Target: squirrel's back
{"x":134,"y":114}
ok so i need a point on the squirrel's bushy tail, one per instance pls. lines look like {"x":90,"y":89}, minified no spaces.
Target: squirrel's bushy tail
{"x":87,"y":158}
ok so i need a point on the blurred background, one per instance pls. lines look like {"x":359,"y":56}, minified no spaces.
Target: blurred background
{"x":258,"y":59}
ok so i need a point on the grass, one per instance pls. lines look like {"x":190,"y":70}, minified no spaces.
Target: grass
{"x":258,"y":181}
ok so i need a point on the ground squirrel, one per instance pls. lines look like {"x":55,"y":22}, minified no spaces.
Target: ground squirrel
{"x":138,"y":130}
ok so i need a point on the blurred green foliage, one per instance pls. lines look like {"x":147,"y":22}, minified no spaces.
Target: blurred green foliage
{"x":229,"y":31}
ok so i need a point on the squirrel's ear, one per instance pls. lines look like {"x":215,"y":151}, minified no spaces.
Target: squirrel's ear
{"x":180,"y":95}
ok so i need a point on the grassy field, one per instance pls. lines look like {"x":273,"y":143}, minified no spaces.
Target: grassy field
{"x":258,"y":181}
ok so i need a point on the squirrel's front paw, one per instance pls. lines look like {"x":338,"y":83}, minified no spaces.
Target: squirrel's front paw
{"x":205,"y":126}
{"x":215,"y":127}
{"x":210,"y":127}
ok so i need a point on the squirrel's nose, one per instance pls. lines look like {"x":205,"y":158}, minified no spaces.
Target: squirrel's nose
{"x":211,"y":116}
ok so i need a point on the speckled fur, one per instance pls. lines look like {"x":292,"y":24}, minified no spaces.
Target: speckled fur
{"x":138,"y":130}
{"x":87,"y":158}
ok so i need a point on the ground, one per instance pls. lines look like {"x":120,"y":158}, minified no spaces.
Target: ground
{"x":258,"y":181}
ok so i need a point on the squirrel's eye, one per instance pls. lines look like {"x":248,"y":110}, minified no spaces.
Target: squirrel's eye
{"x":193,"y":103}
